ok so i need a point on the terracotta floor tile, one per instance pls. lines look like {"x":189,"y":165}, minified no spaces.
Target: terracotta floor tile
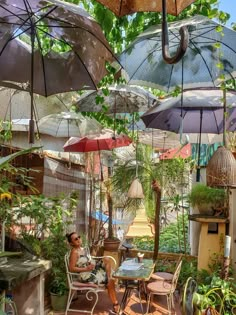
{"x":132,"y":308}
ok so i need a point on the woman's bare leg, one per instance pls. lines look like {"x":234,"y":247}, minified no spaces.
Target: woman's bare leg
{"x":111,"y":283}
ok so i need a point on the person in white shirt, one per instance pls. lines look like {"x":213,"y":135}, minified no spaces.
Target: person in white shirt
{"x":120,"y":234}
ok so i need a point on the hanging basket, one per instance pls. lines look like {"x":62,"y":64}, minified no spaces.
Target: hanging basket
{"x":221,"y":169}
{"x":136,"y":189}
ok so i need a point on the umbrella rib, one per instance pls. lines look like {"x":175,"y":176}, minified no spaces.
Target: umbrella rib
{"x":217,"y":127}
{"x":208,"y":69}
{"x":65,"y":42}
{"x":81,"y":28}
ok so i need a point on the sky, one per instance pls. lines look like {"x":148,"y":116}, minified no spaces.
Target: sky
{"x":229,"y":6}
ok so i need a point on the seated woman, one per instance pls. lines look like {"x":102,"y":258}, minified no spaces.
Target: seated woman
{"x":91,"y":272}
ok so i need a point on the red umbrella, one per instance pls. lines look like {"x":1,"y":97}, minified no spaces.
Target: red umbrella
{"x":105,"y":141}
{"x":183,"y":153}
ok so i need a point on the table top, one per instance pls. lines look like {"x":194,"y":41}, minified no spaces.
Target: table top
{"x":143,"y":273}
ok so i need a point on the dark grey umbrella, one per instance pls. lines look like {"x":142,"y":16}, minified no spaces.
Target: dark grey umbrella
{"x":50,"y":47}
{"x":121,"y":8}
{"x":195,"y":111}
{"x":211,"y":53}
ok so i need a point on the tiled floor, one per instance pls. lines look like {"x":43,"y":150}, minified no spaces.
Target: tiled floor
{"x":132,"y":308}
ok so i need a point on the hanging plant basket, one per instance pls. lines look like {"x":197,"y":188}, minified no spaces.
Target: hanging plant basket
{"x":221,"y":169}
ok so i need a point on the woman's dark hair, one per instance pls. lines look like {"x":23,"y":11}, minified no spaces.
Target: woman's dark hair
{"x":68,"y":236}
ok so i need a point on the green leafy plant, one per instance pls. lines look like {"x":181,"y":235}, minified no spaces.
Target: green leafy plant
{"x":202,"y":194}
{"x":167,"y":238}
{"x":218,"y":294}
{"x":51,"y":218}
{"x":58,"y":286}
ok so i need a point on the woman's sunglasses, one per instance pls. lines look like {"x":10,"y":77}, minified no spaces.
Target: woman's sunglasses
{"x":77,"y":238}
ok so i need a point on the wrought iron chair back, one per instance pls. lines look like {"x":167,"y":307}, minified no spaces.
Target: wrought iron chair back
{"x":165,"y":288}
{"x":90,"y":290}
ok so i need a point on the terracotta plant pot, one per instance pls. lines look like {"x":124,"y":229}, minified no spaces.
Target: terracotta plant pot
{"x":111,"y":244}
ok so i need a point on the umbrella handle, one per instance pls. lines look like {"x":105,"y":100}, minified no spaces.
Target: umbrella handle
{"x":184,"y":40}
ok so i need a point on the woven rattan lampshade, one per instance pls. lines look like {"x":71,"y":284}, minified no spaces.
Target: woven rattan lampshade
{"x":221,"y":169}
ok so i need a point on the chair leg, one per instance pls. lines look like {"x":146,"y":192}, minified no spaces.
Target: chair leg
{"x":148,"y":303}
{"x":69,"y":300}
{"x":170,"y":303}
{"x":91,"y":298}
{"x":140,"y":301}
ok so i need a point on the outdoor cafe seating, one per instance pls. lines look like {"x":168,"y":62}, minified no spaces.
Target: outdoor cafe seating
{"x":90,"y":292}
{"x":165,"y":288}
{"x":134,"y":274}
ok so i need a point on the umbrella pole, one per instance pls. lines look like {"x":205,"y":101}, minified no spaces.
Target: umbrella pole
{"x":199,"y":150}
{"x":31,"y":122}
{"x":224,"y":117}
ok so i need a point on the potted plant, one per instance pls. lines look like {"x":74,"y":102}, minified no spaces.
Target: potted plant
{"x":207,"y":199}
{"x":54,"y":248}
{"x":59,"y":293}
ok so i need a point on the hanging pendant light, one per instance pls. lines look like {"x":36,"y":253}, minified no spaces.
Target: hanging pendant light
{"x":136,"y":189}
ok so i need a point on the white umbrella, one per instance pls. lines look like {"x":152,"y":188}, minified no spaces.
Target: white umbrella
{"x":167,"y":140}
{"x":120,"y":99}
{"x":68,"y":124}
{"x":15,"y":104}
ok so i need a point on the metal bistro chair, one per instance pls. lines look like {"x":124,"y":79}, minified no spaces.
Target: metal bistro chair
{"x":164,"y":288}
{"x":165,"y":276}
{"x":91,"y":293}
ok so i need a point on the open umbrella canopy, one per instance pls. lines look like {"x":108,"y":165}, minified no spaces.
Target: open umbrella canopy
{"x":160,"y":139}
{"x":15,"y":104}
{"x":196,"y":111}
{"x":210,"y":44}
{"x":121,"y":8}
{"x":73,"y":57}
{"x":68,"y":124}
{"x":184,"y":152}
{"x":66,"y":48}
{"x":120,"y":99}
{"x":98,"y":215}
{"x":105,"y":141}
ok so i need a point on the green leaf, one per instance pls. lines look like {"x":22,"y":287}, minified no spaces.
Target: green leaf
{"x":6,"y":159}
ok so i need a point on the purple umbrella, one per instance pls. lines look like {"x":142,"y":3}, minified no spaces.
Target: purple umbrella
{"x":195,"y":111}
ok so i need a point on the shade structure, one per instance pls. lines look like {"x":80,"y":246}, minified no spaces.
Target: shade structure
{"x":98,"y":215}
{"x":208,"y":47}
{"x":121,"y":8}
{"x":49,"y":47}
{"x":184,"y":152}
{"x":15,"y":104}
{"x":120,"y":99}
{"x":75,"y":54}
{"x":194,"y":111}
{"x":105,"y":141}
{"x":68,"y":124}
{"x":161,"y":139}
